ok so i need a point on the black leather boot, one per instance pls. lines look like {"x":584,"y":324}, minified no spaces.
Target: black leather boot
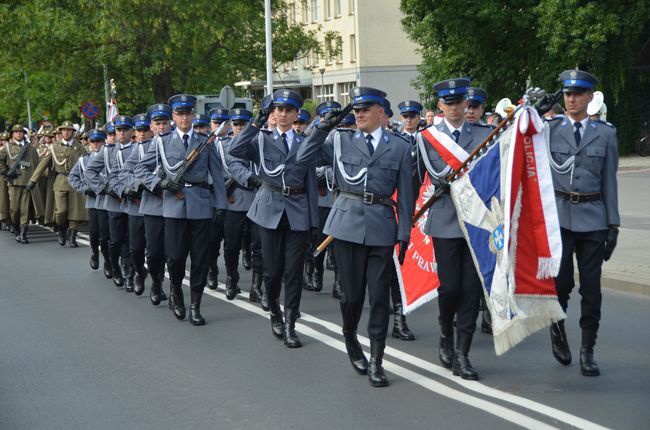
{"x":264,"y":304}
{"x":246,"y":259}
{"x":355,"y":353}
{"x":256,"y":293}
{"x":179,"y":302}
{"x":94,"y":257}
{"x":72,"y":237}
{"x":232,"y":287}
{"x":16,"y":232}
{"x":446,"y":352}
{"x":213,"y":274}
{"x":61,"y":235}
{"x":486,"y":322}
{"x":462,"y":367}
{"x":23,"y":234}
{"x":140,"y":276}
{"x":108,"y":270}
{"x":291,"y":339}
{"x":330,"y":263}
{"x":337,"y":290}
{"x":400,"y":329}
{"x":376,"y":374}
{"x":129,"y":274}
{"x":308,"y":276}
{"x":277,"y":322}
{"x":588,"y":365}
{"x":195,"y":308}
{"x":156,"y":289}
{"x":318,"y":279}
{"x":560,"y":344}
{"x":118,"y":276}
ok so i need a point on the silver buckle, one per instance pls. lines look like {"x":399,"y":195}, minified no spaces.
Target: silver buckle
{"x":286,"y":191}
{"x":368,"y":197}
{"x":574,"y":197}
{"x":188,"y":185}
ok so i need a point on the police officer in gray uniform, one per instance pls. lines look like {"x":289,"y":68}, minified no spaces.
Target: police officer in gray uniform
{"x":128,"y":187}
{"x":285,"y":207}
{"x":460,"y":287}
{"x":189,"y":205}
{"x":97,"y":216}
{"x":241,"y":186}
{"x":151,"y":206}
{"x":370,"y":165}
{"x":584,"y":160}
{"x":102,"y":174}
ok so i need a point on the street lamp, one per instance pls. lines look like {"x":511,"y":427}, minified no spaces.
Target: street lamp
{"x":321,"y":69}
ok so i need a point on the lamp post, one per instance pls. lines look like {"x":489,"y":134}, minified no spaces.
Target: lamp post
{"x":321,"y":69}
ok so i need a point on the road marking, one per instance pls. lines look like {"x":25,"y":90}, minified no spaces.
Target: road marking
{"x":420,"y":379}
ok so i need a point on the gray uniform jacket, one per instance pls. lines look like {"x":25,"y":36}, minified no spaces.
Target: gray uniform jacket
{"x":442,"y":220}
{"x":198,"y":202}
{"x":269,"y":205}
{"x":325,"y":178}
{"x":77,"y":180}
{"x":240,"y":199}
{"x":389,"y":170}
{"x":150,"y":204}
{"x":97,"y":176}
{"x":126,"y":178}
{"x":594,"y":171}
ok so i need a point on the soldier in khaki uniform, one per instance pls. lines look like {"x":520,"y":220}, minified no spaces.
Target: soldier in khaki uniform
{"x":69,"y":206}
{"x":4,"y":192}
{"x":20,"y":198}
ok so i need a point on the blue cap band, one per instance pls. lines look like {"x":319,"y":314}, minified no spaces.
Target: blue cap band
{"x":288,"y":100}
{"x":181,"y":104}
{"x":220,"y":117}
{"x":578,"y":83}
{"x":368,"y":98}
{"x":458,"y":91}
{"x":159,"y":113}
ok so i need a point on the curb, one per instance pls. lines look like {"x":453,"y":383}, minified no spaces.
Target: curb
{"x":625,"y":286}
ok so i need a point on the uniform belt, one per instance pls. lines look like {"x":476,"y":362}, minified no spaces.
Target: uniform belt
{"x":577,"y":197}
{"x":368,"y":198}
{"x":197,"y":184}
{"x":286,"y":191}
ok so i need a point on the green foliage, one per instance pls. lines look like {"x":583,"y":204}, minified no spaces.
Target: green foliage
{"x":153,"y":49}
{"x":499,"y":44}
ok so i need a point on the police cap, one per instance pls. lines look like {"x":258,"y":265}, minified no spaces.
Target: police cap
{"x":159,"y":111}
{"x":287,"y":97}
{"x":577,"y":81}
{"x":452,"y":90}
{"x":182,"y":102}
{"x":327,"y":106}
{"x":476,"y":96}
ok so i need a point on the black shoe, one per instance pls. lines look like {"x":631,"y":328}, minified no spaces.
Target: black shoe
{"x":12,"y":228}
{"x":588,"y":365}
{"x":560,"y":344}
{"x":163,"y":296}
{"x":355,"y":353}
{"x":179,"y":303}
{"x":291,"y":339}
{"x":23,"y":234}
{"x":140,"y":276}
{"x":308,"y":276}
{"x":195,"y":309}
{"x":337,"y":290}
{"x":61,"y":236}
{"x":232,"y":289}
{"x":246,"y":260}
{"x":155,"y":292}
{"x":318,"y":280}
{"x":461,"y":366}
{"x":94,"y":260}
{"x":400,"y":328}
{"x":108,"y":271}
{"x":446,"y":351}
{"x":486,"y":322}
{"x":213,"y":273}
{"x":277,"y":322}
{"x":118,"y":276}
{"x":376,"y":374}
{"x":72,"y":237}
{"x":256,"y":294}
{"x":129,"y":275}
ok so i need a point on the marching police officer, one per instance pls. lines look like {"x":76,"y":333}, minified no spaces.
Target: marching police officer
{"x":460,"y":287}
{"x":69,"y":207}
{"x":17,"y":164}
{"x":151,"y":205}
{"x":476,"y":98}
{"x":300,"y":124}
{"x":201,"y":123}
{"x":409,"y":113}
{"x":189,"y":202}
{"x":371,"y":165}
{"x":584,"y":160}
{"x":285,"y":207}
{"x":97,"y":216}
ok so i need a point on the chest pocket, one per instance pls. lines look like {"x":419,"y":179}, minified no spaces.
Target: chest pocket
{"x":560,"y":151}
{"x":595,"y":157}
{"x":351,"y":163}
{"x":388,"y":170}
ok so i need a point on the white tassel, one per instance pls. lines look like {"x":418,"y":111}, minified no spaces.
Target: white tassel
{"x":548,"y":267}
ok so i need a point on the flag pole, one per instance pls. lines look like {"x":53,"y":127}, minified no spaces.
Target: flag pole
{"x":269,"y":48}
{"x":106,"y":93}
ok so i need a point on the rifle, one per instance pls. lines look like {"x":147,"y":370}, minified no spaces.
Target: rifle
{"x":543,"y":105}
{"x":177,"y":178}
{"x":12,"y":173}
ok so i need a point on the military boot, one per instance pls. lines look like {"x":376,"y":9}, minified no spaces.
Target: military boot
{"x":213,"y":274}
{"x":308,"y":276}
{"x":560,"y":344}
{"x":400,"y":329}
{"x":355,"y":353}
{"x":330,"y":263}
{"x":118,"y":276}
{"x":255,"y":295}
{"x":156,"y":290}
{"x":72,"y":237}
{"x":195,"y":308}
{"x":318,"y":279}
{"x":486,"y":321}
{"x":16,"y":233}
{"x":461,"y":366}
{"x":129,"y":274}
{"x":232,"y":279}
{"x":108,"y":270}
{"x":376,"y":374}
{"x":61,"y":235}
{"x":264,"y":303}
{"x":277,"y":322}
{"x":140,"y":276}
{"x":179,"y":302}
{"x":94,"y":256}
{"x":588,"y":365}
{"x":291,"y":339}
{"x":446,"y":351}
{"x":337,"y":290}
{"x":23,"y":234}
{"x":246,"y":259}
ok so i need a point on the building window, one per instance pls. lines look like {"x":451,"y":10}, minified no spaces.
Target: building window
{"x":345,"y":88}
{"x":337,"y":8}
{"x":305,"y":12}
{"x":353,"y":48}
{"x":292,"y":14}
{"x":328,"y":9}
{"x":314,"y":10}
{"x":351,"y":7}
{"x":326,"y":94}
{"x":339,"y":48}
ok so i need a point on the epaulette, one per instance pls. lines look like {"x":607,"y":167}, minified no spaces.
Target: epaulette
{"x":201,"y":134}
{"x":164,"y":134}
{"x":608,"y":124}
{"x":144,"y":142}
{"x":349,"y":130}
{"x":267,"y":131}
{"x":555,"y":118}
{"x":478,"y":124}
{"x":400,"y":135}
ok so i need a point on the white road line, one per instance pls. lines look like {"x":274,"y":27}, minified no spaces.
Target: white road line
{"x":422,"y":380}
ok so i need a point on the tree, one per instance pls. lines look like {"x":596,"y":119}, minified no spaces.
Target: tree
{"x":500,"y":44}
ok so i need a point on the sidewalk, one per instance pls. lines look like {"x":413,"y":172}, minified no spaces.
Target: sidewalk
{"x":633,"y":162}
{"x":629,"y":268}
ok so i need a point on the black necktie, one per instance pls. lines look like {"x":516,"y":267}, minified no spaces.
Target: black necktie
{"x":456,"y":135}
{"x":412,"y":139}
{"x":371,"y":149}
{"x":577,"y":132}
{"x":284,"y":141}
{"x":185,"y":139}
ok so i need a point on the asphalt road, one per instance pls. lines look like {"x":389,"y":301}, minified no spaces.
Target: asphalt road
{"x":78,"y":353}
